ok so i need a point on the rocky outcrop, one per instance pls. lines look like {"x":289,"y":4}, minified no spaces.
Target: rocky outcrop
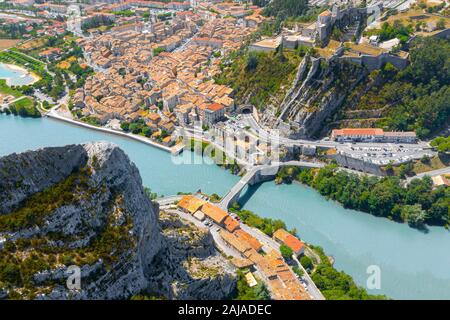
{"x":189,"y":267}
{"x":22,"y":175}
{"x":318,"y":96}
{"x":84,"y":206}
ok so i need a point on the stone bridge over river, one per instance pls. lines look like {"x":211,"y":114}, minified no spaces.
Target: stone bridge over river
{"x":257,"y":174}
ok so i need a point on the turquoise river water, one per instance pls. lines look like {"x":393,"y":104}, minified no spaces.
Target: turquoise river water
{"x":413,"y":264}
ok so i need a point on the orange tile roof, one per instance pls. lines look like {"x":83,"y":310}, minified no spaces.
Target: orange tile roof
{"x":153,"y":116}
{"x":231,"y":239}
{"x":245,"y":236}
{"x":288,"y":239}
{"x":325,"y":13}
{"x":215,"y":213}
{"x":190,"y":203}
{"x":357,"y":132}
{"x":241,"y":263}
{"x":231,"y":224}
{"x":215,"y":106}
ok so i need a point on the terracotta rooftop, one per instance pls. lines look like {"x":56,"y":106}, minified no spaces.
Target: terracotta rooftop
{"x":325,"y":13}
{"x":288,"y":239}
{"x":246,"y":237}
{"x":190,"y":203}
{"x":215,"y":213}
{"x":215,"y":106}
{"x":358,"y":132}
{"x":231,"y":224}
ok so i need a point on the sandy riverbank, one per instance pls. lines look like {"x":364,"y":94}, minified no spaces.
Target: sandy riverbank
{"x":14,"y":67}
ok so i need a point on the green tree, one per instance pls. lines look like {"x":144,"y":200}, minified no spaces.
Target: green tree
{"x":135,"y":128}
{"x":441,"y":144}
{"x":146,"y":131}
{"x":157,"y":51}
{"x":440,"y":25}
{"x":306,"y":262}
{"x":125,"y":126}
{"x":298,"y":271}
{"x":286,"y":252}
{"x":413,"y":214}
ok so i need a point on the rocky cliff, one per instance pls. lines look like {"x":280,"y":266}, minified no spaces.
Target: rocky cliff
{"x":84,"y":206}
{"x":316,"y":94}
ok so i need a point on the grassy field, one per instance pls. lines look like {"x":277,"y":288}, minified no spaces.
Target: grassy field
{"x":24,"y":103}
{"x":17,"y":58}
{"x":24,"y":108}
{"x":8,"y":43}
{"x":7,"y":90}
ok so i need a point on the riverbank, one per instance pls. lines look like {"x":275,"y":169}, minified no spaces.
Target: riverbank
{"x":418,"y":204}
{"x":413,"y":264}
{"x":333,"y":284}
{"x":53,"y":114}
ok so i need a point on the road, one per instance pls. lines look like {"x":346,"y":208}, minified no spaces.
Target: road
{"x":264,"y":135}
{"x":266,"y":169}
{"x":237,"y":188}
{"x":378,"y":153}
{"x":432,"y":173}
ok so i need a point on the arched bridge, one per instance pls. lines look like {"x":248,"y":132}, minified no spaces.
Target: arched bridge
{"x":257,"y":174}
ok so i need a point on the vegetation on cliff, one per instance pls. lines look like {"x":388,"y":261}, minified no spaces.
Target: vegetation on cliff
{"x":286,"y":8}
{"x":414,"y":99}
{"x":258,"y":77}
{"x":23,"y":258}
{"x":416,"y":204}
{"x":40,"y":205}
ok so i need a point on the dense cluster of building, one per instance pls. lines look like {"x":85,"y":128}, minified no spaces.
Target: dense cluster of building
{"x":165,"y":64}
{"x":276,"y":273}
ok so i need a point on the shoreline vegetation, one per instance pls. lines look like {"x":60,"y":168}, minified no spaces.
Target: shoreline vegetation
{"x":334,"y":284}
{"x":23,"y":107}
{"x":418,"y":203}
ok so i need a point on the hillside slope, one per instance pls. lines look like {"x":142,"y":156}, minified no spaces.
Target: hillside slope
{"x":336,"y":94}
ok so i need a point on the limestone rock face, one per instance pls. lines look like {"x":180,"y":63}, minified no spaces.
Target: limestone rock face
{"x":85,"y":206}
{"x":22,"y":175}
{"x":316,"y":98}
{"x":189,"y":266}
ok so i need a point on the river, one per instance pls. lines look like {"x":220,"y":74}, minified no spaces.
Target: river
{"x":413,"y":264}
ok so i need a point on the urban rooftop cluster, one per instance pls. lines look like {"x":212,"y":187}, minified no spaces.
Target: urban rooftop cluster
{"x":281,"y":280}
